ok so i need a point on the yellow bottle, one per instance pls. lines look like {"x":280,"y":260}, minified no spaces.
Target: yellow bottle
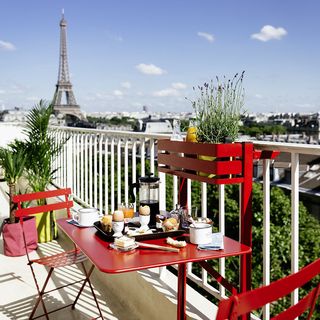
{"x":192,"y":133}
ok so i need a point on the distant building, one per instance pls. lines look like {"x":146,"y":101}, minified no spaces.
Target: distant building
{"x":145,"y":109}
{"x":153,"y":126}
{"x":15,"y":115}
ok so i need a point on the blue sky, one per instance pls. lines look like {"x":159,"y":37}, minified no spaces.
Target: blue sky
{"x":130,"y":53}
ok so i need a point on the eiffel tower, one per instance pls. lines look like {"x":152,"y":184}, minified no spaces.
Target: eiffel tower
{"x":70,"y":110}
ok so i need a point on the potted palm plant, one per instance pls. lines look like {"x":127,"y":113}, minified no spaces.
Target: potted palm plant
{"x":40,"y":149}
{"x":13,"y":162}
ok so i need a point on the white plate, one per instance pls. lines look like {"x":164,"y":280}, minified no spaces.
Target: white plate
{"x":122,"y":249}
{"x":76,"y":223}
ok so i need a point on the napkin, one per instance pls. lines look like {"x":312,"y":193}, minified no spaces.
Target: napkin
{"x":216,"y":243}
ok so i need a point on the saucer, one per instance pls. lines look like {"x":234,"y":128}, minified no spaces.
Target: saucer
{"x":76,"y":223}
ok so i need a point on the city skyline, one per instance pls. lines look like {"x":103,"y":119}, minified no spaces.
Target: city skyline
{"x":124,"y":55}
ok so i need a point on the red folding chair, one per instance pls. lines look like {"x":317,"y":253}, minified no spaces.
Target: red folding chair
{"x":59,"y":260}
{"x":243,"y":303}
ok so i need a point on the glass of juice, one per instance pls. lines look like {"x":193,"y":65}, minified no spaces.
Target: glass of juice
{"x":128,"y":210}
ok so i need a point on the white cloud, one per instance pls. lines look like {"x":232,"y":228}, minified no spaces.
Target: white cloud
{"x":208,"y":36}
{"x":7,"y":46}
{"x":126,"y":85}
{"x":173,"y":91}
{"x":268,"y":32}
{"x":2,"y":91}
{"x":179,"y":85}
{"x":169,"y":92}
{"x":150,"y":69}
{"x":258,"y":96}
{"x":118,"y":93}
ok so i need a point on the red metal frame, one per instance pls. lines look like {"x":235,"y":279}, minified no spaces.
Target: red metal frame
{"x":243,"y":303}
{"x":233,"y":164}
{"x":58,"y":260}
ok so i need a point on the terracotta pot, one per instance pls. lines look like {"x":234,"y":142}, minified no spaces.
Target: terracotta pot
{"x":13,"y":243}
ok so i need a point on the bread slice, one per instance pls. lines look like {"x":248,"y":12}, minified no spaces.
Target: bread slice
{"x":124,"y":242}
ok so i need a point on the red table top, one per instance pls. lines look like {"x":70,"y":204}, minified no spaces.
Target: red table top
{"x":111,"y":261}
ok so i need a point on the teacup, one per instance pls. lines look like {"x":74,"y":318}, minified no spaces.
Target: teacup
{"x":86,"y":216}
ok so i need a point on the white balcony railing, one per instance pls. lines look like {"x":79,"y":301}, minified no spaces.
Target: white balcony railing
{"x":94,"y":163}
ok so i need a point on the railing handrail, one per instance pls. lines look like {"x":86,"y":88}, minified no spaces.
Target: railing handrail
{"x":288,"y":147}
{"x":124,"y":134}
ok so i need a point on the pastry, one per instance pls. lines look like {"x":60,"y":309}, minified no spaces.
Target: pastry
{"x":106,"y":223}
{"x":170,"y":224}
{"x":176,"y":243}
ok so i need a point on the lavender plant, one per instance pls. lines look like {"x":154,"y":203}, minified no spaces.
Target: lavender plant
{"x":218,"y":109}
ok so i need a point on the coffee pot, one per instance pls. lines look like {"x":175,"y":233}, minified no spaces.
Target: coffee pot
{"x":148,"y":194}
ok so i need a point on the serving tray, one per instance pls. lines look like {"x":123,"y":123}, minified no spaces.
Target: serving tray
{"x":155,"y":235}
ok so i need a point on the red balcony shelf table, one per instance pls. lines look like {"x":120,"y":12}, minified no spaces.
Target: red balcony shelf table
{"x":111,"y":261}
{"x":230,"y":163}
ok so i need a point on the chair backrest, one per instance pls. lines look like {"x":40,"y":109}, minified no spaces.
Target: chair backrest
{"x":21,"y":212}
{"x":63,"y":204}
{"x":243,"y":303}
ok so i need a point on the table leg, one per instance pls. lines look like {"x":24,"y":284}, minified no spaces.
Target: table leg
{"x":182,"y":287}
{"x":245,"y":277}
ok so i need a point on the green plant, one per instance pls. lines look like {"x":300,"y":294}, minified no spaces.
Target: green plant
{"x":40,"y":147}
{"x":13,"y":163}
{"x":218,"y":109}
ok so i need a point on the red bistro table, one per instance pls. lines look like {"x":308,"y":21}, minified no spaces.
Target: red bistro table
{"x":108,"y":260}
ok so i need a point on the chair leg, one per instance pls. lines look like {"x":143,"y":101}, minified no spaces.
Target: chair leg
{"x":40,"y":294}
{"x":87,"y":279}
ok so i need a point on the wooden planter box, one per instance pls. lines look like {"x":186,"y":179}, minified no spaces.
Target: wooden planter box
{"x":232,"y":161}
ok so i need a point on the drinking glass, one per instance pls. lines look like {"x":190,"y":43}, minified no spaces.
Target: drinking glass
{"x":127,"y":209}
{"x":185,"y":214}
